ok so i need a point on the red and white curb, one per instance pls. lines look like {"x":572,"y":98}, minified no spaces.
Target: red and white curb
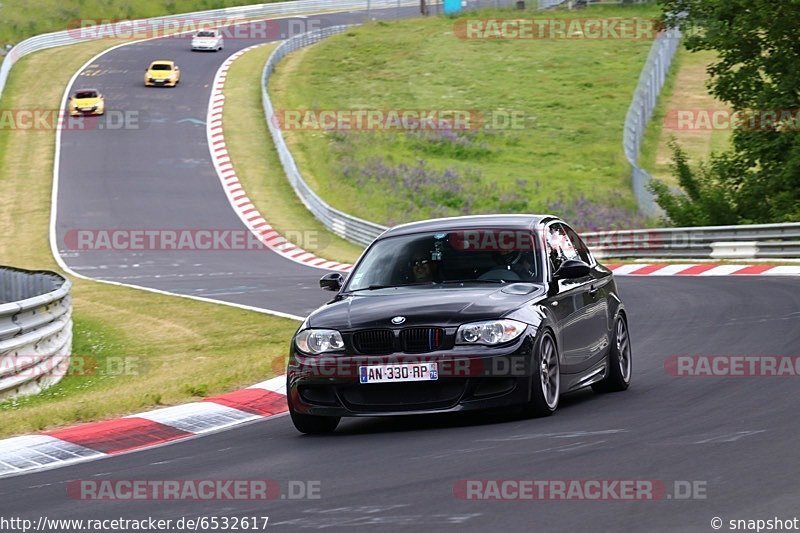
{"x":236,"y":194}
{"x":60,"y":447}
{"x":702,"y":269}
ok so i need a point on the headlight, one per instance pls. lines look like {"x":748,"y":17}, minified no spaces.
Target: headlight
{"x":317,"y":341}
{"x":490,"y":332}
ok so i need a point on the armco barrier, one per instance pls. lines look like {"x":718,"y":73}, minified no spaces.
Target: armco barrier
{"x":346,"y":226}
{"x":645,"y":99}
{"x":762,"y":241}
{"x":35,"y":330}
{"x":758,"y":241}
{"x":363,"y":232}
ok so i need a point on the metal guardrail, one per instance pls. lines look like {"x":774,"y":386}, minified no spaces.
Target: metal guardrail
{"x":347,"y":226}
{"x":548,"y":4}
{"x":342,"y":224}
{"x":363,"y":232}
{"x":35,"y":330}
{"x":761,"y":241}
{"x":758,"y":241}
{"x":640,"y":112}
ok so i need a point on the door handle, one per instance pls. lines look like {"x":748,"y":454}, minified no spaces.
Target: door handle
{"x":593,"y":291}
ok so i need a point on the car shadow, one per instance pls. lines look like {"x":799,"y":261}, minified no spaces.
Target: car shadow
{"x":408,"y":423}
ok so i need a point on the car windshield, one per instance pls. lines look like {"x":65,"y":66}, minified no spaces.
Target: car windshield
{"x":86,"y":94}
{"x":206,"y":34}
{"x":470,"y":256}
{"x":161,"y":66}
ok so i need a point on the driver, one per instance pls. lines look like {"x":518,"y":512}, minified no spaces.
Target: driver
{"x":423,"y":268}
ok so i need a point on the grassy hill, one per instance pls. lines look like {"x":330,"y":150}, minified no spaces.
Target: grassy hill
{"x":565,"y":154}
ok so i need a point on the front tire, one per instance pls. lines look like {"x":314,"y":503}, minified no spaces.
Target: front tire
{"x":619,"y":360}
{"x":546,"y":378}
{"x":314,"y":425}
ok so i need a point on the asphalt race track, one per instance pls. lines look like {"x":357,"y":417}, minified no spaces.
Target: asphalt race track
{"x":736,"y":436}
{"x":158,"y":175}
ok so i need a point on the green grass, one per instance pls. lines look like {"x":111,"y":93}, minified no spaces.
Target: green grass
{"x":177,"y":350}
{"x":259,"y":169}
{"x":572,"y":93}
{"x":25,"y":18}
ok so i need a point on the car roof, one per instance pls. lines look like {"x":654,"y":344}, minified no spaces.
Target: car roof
{"x":512,"y":221}
{"x":162,"y":61}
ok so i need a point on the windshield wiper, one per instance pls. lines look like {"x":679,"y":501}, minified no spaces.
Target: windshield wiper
{"x":376,"y":287}
{"x":476,"y":281}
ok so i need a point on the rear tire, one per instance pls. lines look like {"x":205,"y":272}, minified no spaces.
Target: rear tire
{"x":546,"y":378}
{"x":619,"y":360}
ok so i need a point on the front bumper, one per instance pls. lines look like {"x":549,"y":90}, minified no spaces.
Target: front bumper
{"x":469,"y":379}
{"x":160,"y":83}
{"x":86,"y":112}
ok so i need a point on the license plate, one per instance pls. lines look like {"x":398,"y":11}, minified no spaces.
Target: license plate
{"x":398,"y":373}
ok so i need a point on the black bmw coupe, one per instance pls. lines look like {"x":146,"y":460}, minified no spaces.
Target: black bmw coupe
{"x":456,"y":314}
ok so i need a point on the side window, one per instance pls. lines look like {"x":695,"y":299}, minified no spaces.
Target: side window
{"x":559,"y":246}
{"x":579,"y":245}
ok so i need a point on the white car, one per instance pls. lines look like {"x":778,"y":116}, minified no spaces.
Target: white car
{"x":208,"y":40}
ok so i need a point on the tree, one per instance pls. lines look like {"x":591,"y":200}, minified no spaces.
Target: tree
{"x":703,"y":202}
{"x":757,"y":72}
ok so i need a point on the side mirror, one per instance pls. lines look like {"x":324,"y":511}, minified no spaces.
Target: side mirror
{"x":572,"y":269}
{"x":332,"y":281}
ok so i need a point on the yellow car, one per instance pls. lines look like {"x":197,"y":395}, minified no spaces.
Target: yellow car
{"x":162,"y":73}
{"x":87,"y":102}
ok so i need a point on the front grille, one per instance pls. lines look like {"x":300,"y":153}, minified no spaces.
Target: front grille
{"x":421,"y":340}
{"x":403,"y":396}
{"x":374,"y":341}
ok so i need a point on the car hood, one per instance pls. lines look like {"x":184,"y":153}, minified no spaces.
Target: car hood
{"x":205,"y":40}
{"x":86,"y":102}
{"x":160,"y":74}
{"x":428,"y":305}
